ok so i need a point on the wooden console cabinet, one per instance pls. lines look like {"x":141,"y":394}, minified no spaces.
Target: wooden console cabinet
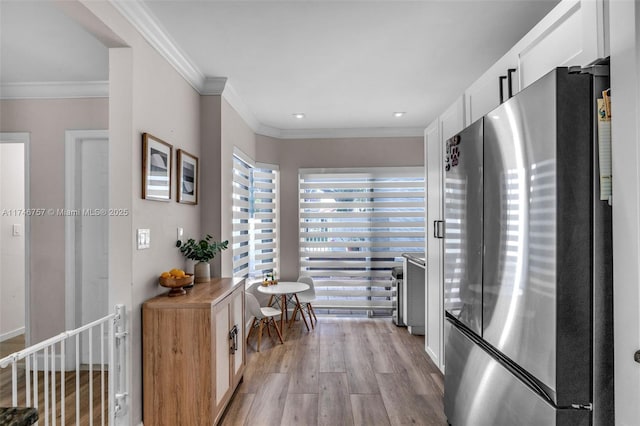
{"x":193,"y":353}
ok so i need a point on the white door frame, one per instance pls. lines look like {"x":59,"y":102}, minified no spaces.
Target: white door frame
{"x":25,"y":139}
{"x":72,"y":138}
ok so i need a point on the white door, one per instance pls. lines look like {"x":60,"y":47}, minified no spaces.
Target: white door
{"x":92,"y":233}
{"x":13,"y":235}
{"x":87,"y":236}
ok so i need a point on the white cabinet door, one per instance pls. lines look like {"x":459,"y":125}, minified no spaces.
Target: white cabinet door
{"x":484,"y":94}
{"x":222,"y":312}
{"x":229,"y":313}
{"x":452,"y":119}
{"x":434,"y":321}
{"x":237,"y":316}
{"x":571,"y":34}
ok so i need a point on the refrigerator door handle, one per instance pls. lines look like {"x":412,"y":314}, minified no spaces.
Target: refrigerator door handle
{"x":438,"y":229}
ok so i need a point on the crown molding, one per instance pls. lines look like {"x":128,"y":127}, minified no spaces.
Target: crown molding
{"x":55,"y":90}
{"x":345,"y":133}
{"x":231,"y":96}
{"x":214,"y":85}
{"x":143,"y":20}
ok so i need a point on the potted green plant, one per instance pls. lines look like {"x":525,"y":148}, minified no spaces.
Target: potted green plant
{"x":202,"y":252}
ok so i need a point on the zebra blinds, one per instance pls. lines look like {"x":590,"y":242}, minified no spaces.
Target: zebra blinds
{"x":264,"y":220}
{"x":241,"y":216}
{"x":354,"y":227}
{"x":255,"y":244}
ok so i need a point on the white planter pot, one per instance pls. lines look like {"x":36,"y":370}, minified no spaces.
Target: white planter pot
{"x":202,"y":272}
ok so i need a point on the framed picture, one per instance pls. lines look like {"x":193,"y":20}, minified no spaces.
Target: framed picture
{"x":187,"y":178}
{"x":156,"y":168}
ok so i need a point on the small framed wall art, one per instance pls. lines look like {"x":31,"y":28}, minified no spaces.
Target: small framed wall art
{"x":187,"y":178}
{"x":156,"y":168}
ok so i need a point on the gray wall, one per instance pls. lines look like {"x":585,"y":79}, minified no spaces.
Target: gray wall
{"x":210,"y":173}
{"x":293,"y":154}
{"x":146,"y":94}
{"x":47,"y":121}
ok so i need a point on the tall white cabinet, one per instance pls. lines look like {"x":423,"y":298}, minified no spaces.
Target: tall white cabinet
{"x":448,"y":124}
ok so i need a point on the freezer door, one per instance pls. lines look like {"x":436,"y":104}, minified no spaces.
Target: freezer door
{"x":537,"y":235}
{"x":480,"y":391}
{"x":463,"y":227}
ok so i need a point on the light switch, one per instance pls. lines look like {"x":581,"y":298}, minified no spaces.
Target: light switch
{"x":180,"y":233}
{"x":144,"y":239}
{"x":17,"y":230}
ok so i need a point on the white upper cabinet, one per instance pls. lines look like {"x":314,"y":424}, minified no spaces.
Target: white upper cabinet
{"x":485,"y":94}
{"x":452,"y":119}
{"x":573,"y":33}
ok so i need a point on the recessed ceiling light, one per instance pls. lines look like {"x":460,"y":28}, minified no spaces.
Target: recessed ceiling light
{"x":298,"y":114}
{"x":399,"y":114}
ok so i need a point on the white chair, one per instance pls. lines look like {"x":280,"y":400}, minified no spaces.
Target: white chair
{"x":261,"y":316}
{"x":263,"y":299}
{"x":305,"y":298}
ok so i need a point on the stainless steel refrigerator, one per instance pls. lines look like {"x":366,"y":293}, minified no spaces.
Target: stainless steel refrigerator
{"x":528,"y":275}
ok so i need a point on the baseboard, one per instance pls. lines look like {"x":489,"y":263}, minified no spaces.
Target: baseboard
{"x":57,"y":362}
{"x":11,"y":334}
{"x":416,"y":330}
{"x":433,"y":356}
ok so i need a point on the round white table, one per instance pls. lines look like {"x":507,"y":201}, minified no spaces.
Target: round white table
{"x":284,"y":289}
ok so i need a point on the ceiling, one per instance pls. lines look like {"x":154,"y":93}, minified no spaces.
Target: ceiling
{"x":347,"y":65}
{"x":39,"y":43}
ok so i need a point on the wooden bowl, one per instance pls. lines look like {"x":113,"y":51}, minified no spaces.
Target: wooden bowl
{"x":176,"y":284}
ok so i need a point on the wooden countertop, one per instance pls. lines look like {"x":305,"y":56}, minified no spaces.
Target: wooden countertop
{"x":202,"y":295}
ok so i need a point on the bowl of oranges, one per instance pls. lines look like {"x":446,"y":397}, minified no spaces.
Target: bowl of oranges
{"x":176,"y":279}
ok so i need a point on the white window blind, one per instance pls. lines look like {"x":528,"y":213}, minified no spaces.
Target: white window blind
{"x":264,"y":220}
{"x":255,"y":243}
{"x":241,"y":216}
{"x":354,"y":227}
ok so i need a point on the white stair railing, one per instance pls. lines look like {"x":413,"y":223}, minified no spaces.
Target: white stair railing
{"x":56,"y":360}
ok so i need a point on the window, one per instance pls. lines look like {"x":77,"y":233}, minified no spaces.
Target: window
{"x":255,"y":243}
{"x":354,"y":227}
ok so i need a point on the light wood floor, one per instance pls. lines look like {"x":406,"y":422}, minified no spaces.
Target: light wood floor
{"x":348,"y":371}
{"x":12,"y":345}
{"x":99,"y":402}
